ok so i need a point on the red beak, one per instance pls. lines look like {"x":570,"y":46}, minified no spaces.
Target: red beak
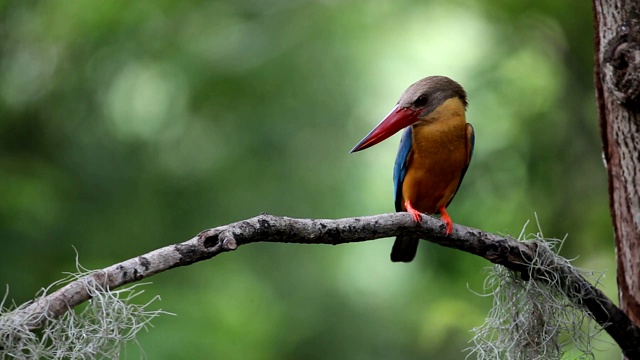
{"x":398,"y":119}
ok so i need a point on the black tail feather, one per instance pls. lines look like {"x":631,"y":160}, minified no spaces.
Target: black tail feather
{"x":404,"y":248}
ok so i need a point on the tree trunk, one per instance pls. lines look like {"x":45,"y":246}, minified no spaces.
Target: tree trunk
{"x":617,"y":84}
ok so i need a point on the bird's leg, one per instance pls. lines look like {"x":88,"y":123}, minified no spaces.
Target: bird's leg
{"x":447,"y":220}
{"x":417,"y":216}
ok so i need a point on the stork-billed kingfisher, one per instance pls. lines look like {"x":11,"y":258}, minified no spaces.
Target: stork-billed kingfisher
{"x":434,"y":153}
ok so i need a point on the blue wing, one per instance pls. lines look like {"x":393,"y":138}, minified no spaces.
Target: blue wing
{"x":400,"y":167}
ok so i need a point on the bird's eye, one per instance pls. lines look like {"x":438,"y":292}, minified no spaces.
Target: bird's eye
{"x":420,"y":101}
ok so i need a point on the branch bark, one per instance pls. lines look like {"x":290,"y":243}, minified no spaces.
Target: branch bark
{"x":506,"y":251}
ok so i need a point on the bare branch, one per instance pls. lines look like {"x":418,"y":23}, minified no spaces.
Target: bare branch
{"x":514,"y":255}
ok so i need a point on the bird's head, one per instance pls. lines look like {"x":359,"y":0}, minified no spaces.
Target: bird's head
{"x":417,"y":104}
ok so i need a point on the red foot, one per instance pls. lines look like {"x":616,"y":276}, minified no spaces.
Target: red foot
{"x":447,"y":220}
{"x":417,"y":216}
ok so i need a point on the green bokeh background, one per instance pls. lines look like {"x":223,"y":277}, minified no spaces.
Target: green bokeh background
{"x":130,"y":125}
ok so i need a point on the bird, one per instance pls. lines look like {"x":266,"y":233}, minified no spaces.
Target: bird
{"x":434,"y":153}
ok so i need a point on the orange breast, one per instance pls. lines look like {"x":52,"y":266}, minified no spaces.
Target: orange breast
{"x":435,"y":164}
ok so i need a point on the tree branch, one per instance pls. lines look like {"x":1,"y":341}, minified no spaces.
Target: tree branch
{"x":506,"y":251}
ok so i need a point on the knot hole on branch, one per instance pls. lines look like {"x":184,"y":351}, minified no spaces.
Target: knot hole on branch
{"x":209,"y":238}
{"x":622,"y":54}
{"x":225,"y":239}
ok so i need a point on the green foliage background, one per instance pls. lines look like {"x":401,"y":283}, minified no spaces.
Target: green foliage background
{"x":129,"y":125}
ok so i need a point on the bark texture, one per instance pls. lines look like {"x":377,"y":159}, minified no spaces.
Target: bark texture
{"x":522,"y":257}
{"x":617,"y":80}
